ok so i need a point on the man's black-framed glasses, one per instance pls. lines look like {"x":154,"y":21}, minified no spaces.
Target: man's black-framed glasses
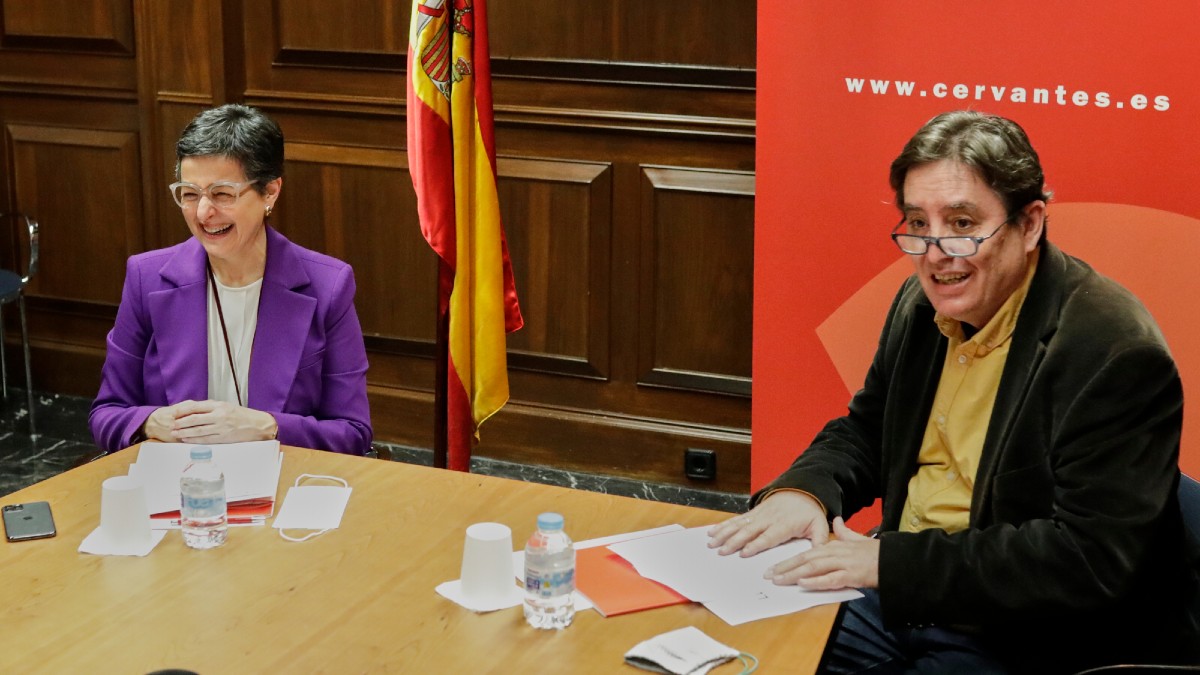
{"x":955,"y":247}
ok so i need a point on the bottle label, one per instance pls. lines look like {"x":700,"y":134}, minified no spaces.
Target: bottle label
{"x":204,"y":504}
{"x":550,"y":585}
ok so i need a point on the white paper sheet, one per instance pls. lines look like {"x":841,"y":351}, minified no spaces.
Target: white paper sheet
{"x":628,"y":536}
{"x":732,"y":587}
{"x":251,"y":471}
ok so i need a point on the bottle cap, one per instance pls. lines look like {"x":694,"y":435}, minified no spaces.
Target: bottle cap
{"x":201,"y":453}
{"x":550,"y":521}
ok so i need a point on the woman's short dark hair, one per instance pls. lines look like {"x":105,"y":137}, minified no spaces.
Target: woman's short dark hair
{"x":994,"y":146}
{"x":240,"y":133}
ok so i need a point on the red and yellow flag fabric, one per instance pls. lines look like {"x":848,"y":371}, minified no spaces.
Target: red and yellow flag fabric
{"x":452,"y":159}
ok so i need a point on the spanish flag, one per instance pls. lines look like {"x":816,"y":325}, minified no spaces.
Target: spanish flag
{"x":452,"y":159}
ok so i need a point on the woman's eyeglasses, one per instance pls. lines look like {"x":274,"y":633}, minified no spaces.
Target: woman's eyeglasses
{"x":221,"y":195}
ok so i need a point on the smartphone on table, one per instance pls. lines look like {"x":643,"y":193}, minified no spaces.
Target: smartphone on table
{"x":28,"y":521}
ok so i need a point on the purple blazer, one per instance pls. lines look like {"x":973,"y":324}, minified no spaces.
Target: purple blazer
{"x":308,"y":366}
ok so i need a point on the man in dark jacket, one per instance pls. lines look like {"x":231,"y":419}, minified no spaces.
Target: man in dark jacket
{"x":1020,"y":421}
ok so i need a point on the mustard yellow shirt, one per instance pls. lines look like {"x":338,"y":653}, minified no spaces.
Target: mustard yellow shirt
{"x":939,"y":493}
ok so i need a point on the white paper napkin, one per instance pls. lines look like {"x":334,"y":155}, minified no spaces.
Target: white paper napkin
{"x":452,"y":590}
{"x":97,"y":543}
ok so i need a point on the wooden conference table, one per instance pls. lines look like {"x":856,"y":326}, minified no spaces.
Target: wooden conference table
{"x":357,"y":599}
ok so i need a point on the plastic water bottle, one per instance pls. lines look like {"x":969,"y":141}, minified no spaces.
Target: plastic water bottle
{"x":549,"y":574}
{"x":202,"y":501}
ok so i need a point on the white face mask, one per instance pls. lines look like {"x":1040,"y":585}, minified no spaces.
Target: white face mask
{"x":686,"y":651}
{"x":312,"y":507}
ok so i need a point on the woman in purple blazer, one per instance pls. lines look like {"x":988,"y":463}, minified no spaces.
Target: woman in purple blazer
{"x":236,"y":334}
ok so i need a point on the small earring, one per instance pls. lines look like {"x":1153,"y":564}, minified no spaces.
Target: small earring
{"x":267,"y":211}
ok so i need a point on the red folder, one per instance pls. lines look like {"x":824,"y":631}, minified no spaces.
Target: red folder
{"x":241,"y":512}
{"x":615,"y":587}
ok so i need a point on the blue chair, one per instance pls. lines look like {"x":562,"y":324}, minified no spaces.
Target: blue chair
{"x":1189,"y":504}
{"x":1134,"y":669}
{"x":12,"y":287}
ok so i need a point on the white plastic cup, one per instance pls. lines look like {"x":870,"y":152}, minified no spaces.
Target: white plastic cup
{"x":487,"y":564}
{"x":124,"y":516}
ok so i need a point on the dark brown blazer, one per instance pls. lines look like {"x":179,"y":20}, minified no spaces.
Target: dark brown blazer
{"x":1075,"y":540}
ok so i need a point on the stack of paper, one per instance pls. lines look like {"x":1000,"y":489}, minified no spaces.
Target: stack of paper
{"x":732,"y":587}
{"x":251,"y":478}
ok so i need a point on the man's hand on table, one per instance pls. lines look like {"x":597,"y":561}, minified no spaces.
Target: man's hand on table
{"x":849,"y":561}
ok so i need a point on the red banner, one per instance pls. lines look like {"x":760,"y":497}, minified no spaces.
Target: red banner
{"x":1109,"y":95}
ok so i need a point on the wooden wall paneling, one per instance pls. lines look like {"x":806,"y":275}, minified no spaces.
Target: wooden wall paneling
{"x":68,"y":96}
{"x":627,"y":149}
{"x":582,"y":440}
{"x":400,"y":389}
{"x":698,"y":262}
{"x":545,"y":30}
{"x":351,"y":203}
{"x":315,"y":27}
{"x":165,"y":225}
{"x":665,"y":111}
{"x":82,"y":185}
{"x":69,"y":112}
{"x":692,"y":406}
{"x":228,"y":51}
{"x":59,"y":175}
{"x":398,"y":414}
{"x":623,"y":393}
{"x":177,"y":51}
{"x":58,"y":367}
{"x":335,"y":60}
{"x":350,"y":129}
{"x":620,"y":425}
{"x":100,"y":24}
{"x":357,"y":204}
{"x":84,"y":45}
{"x":699,"y":32}
{"x":625,"y":66}
{"x":557,"y":216}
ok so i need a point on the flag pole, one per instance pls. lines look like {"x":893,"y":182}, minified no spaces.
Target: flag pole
{"x":441,"y":418}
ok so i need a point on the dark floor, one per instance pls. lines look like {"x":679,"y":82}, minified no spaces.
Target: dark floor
{"x":64,"y":437}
